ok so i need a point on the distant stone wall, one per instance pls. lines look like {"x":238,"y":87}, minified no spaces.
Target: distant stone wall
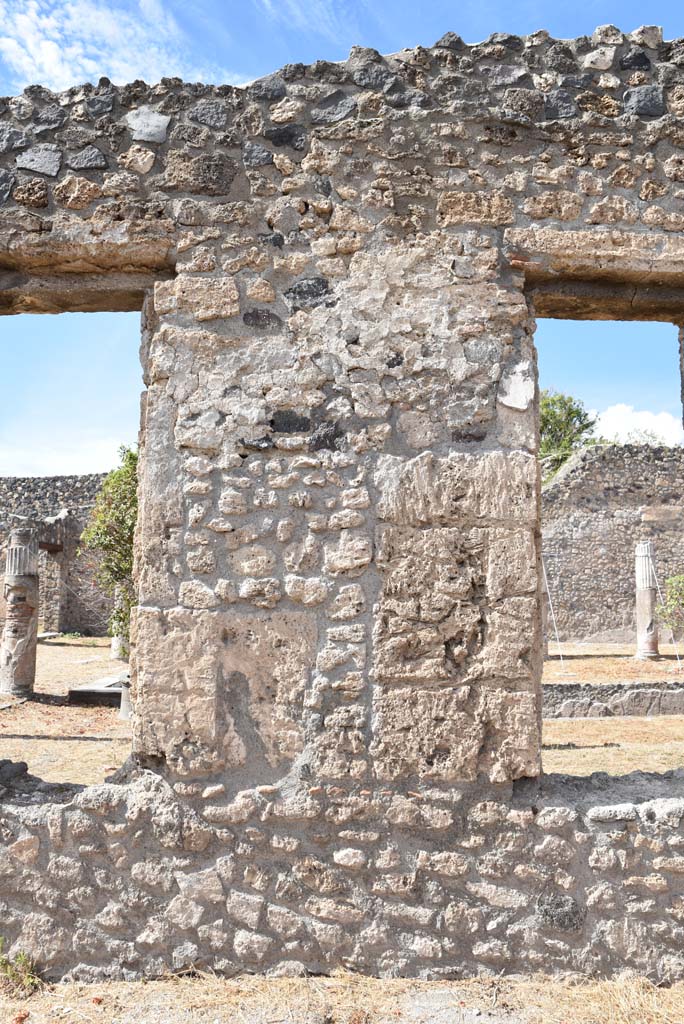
{"x":598,"y":506}
{"x":71,"y":600}
{"x":40,"y":497}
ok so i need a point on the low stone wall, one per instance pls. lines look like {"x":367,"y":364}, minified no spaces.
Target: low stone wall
{"x":582,"y":875}
{"x":594,"y":512}
{"x":71,"y":600}
{"x":592,"y":700}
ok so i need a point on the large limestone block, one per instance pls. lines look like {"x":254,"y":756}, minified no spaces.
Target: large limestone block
{"x":214,"y":691}
{"x":430,"y":621}
{"x":459,"y":488}
{"x":205,"y":298}
{"x":453,"y":734}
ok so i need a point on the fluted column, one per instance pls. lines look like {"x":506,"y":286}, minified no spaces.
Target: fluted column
{"x":20,"y":635}
{"x":647,"y":627}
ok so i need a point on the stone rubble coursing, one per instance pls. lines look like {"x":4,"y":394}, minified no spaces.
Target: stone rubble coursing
{"x":594,"y":512}
{"x":337,"y":653}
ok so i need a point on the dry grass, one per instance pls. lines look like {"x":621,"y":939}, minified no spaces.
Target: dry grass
{"x":625,"y":1000}
{"x":646,"y":744}
{"x":609,"y":663}
{"x":351,"y":999}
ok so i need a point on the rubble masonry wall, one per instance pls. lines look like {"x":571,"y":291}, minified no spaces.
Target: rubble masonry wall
{"x":337,"y":650}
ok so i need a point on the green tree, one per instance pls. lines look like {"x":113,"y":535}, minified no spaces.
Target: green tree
{"x":671,"y":611}
{"x":110,"y":534}
{"x":565,"y":427}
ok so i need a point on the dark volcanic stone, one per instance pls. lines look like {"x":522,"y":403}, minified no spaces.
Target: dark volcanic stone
{"x":293,"y":135}
{"x":635,"y":60}
{"x":504,"y":39}
{"x":89,"y":159}
{"x":368,"y":69}
{"x":210,"y":112}
{"x":645,"y":100}
{"x":258,"y":444}
{"x":335,"y":107}
{"x":400,"y":96}
{"x":560,"y":911}
{"x":559,"y":104}
{"x":285,"y":421}
{"x":11,"y":137}
{"x":291,"y":72}
{"x":327,"y":71}
{"x":559,"y":57}
{"x":274,"y":238}
{"x":6,"y":182}
{"x":255,"y":155}
{"x":508,"y":74}
{"x":327,"y":435}
{"x":272,"y":87}
{"x":309,"y":292}
{"x":673,"y":52}
{"x":48,"y":119}
{"x":450,"y":41}
{"x":96,"y":106}
{"x":44,"y":158}
{"x":261,"y":319}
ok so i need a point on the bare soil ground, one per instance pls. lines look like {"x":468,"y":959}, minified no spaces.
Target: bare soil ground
{"x":350,"y":999}
{"x":613,"y":745}
{"x":609,"y":663}
{"x":62,"y":742}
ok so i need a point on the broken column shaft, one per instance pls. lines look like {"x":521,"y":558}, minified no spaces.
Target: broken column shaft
{"x":647,"y":627}
{"x":20,"y":635}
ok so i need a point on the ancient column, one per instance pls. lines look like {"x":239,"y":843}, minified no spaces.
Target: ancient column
{"x":647,"y":627}
{"x":20,"y":635}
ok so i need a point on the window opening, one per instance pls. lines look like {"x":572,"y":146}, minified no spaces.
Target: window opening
{"x":69,"y":400}
{"x":612,"y":466}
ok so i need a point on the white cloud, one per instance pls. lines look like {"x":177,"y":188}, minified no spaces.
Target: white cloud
{"x":335,"y":20}
{"x":59,"y":44}
{"x":624,"y":423}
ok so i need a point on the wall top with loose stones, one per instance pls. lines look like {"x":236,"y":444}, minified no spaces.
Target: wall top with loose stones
{"x":513,"y":129}
{"x":616,"y":476}
{"x":40,"y":497}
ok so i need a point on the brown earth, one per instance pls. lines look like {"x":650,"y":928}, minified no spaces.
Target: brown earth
{"x":62,"y":742}
{"x":350,"y":999}
{"x":609,"y":663}
{"x":615,"y":745}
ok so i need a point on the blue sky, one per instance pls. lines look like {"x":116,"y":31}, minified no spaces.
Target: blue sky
{"x":64,"y":43}
{"x":82,"y":399}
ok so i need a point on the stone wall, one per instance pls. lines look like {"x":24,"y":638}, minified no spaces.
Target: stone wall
{"x":71,"y":600}
{"x":571,"y":875}
{"x":594,"y":511}
{"x":337,"y":654}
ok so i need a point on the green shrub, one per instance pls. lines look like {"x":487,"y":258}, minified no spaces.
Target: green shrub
{"x":18,"y":974}
{"x":110,"y":533}
{"x":671,"y":611}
